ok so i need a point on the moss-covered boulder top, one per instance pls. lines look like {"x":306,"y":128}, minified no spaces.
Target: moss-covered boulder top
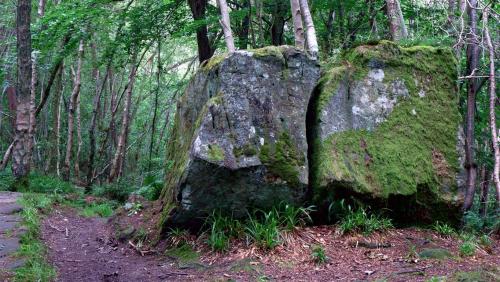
{"x":386,"y":130}
{"x":240,"y":134}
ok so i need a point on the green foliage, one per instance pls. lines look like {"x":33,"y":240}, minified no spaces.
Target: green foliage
{"x":360,"y":221}
{"x":467,"y":249}
{"x":49,"y":184}
{"x":435,"y":253}
{"x":118,"y":191}
{"x":475,"y":223}
{"x":318,"y":254}
{"x":151,"y":187}
{"x":6,"y":180}
{"x":443,"y":229}
{"x":264,"y":232}
{"x":293,"y":217}
{"x":102,"y":210}
{"x":36,"y":267}
{"x":222,"y":228}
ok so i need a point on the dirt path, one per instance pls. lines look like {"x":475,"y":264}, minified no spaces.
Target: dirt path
{"x":84,"y":249}
{"x":10,"y":232}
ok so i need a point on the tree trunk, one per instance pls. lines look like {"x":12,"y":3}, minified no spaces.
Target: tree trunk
{"x":485,"y":186}
{"x":6,"y":157}
{"x":298,"y":28}
{"x":198,"y":8}
{"x":58,"y":127}
{"x":78,"y":138}
{"x":278,"y":23}
{"x":397,"y":26}
{"x":34,"y":78}
{"x":312,"y":42}
{"x":117,"y":163}
{"x":472,"y":66}
{"x":53,"y":151}
{"x":226,"y":25}
{"x":155,"y":111}
{"x":71,"y":113}
{"x":93,"y":121}
{"x":21,"y":154}
{"x":493,"y":100}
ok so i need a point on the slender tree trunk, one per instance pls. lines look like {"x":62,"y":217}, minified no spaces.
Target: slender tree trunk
{"x":258,"y":13}
{"x":117,"y":163}
{"x":34,"y":78}
{"x":71,"y":113}
{"x":493,"y":101}
{"x":58,"y":126}
{"x":485,"y":186}
{"x":21,"y":154}
{"x":397,"y":26}
{"x":278,"y":23}
{"x":472,"y":67}
{"x":226,"y":25}
{"x":6,"y":157}
{"x":78,"y":137}
{"x":157,"y":92}
{"x":298,"y":28}
{"x":198,"y":8}
{"x":93,"y":121}
{"x":312,"y":41}
{"x":53,"y":150}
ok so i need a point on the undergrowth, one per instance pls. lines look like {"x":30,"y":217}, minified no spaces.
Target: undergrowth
{"x":32,"y":249}
{"x":262,"y":228}
{"x":359,"y":220}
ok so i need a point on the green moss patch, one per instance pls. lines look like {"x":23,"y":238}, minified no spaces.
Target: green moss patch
{"x":282,"y":158}
{"x":435,"y":254}
{"x":413,"y":152}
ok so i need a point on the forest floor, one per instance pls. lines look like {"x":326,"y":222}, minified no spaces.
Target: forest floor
{"x":86,"y":249}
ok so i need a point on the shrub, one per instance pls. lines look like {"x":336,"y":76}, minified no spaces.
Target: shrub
{"x":49,"y":184}
{"x":467,"y":249}
{"x":151,"y":187}
{"x":6,"y":180}
{"x":443,"y":229}
{"x":360,"y":221}
{"x":318,"y":254}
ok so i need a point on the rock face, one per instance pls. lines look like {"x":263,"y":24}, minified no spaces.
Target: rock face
{"x":384,"y":131}
{"x":239,"y":139}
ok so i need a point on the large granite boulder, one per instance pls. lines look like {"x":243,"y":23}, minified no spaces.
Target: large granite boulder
{"x":239,"y":139}
{"x":384,"y":131}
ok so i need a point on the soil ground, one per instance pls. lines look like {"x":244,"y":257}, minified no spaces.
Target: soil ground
{"x":85,"y":249}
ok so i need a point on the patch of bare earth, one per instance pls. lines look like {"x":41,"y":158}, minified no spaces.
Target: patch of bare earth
{"x":88,"y":251}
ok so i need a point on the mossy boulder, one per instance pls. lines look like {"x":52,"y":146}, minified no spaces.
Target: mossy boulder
{"x":385,"y":131}
{"x":239,"y":138}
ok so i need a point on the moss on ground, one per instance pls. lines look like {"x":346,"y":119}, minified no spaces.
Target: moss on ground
{"x":407,"y":151}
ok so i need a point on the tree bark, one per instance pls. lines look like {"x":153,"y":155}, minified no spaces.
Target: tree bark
{"x":71,"y":113}
{"x":472,"y":67}
{"x":311,"y":40}
{"x":226,"y":25}
{"x":298,"y":28}
{"x":21,"y":154}
{"x":6,"y":157}
{"x":485,"y":186}
{"x":53,"y":144}
{"x":397,"y":26}
{"x":278,"y":23}
{"x":78,"y":138}
{"x":198,"y":8}
{"x":493,"y":101}
{"x":117,"y":163}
